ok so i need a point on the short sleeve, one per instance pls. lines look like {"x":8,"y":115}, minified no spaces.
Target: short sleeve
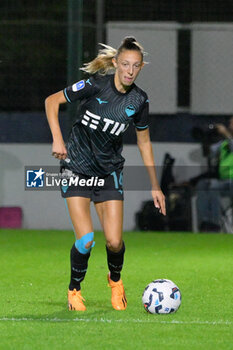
{"x":141,"y":119}
{"x":230,"y":143}
{"x":81,"y":89}
{"x":215,"y":149}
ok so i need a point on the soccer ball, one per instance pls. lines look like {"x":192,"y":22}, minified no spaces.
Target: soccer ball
{"x":161,"y":297}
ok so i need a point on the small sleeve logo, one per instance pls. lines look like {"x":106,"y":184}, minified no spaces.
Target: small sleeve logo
{"x":78,"y":86}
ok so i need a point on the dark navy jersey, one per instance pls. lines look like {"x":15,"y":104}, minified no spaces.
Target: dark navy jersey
{"x":95,"y":143}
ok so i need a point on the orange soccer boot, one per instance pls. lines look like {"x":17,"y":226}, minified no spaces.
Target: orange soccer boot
{"x":75,"y":300}
{"x":119,"y":301}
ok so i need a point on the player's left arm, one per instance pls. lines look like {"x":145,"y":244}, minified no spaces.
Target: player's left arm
{"x":145,"y":147}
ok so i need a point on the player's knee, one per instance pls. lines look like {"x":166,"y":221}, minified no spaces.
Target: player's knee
{"x":114,"y":245}
{"x":85,"y":243}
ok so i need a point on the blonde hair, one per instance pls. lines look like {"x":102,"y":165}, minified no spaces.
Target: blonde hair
{"x":103,"y":61}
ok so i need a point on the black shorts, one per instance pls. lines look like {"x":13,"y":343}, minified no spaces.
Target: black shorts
{"x":98,"y":189}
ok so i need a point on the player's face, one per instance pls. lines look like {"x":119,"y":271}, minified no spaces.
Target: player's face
{"x":128,"y":65}
{"x":231,"y":125}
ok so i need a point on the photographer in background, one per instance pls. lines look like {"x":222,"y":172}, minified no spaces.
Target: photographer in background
{"x":210,"y":190}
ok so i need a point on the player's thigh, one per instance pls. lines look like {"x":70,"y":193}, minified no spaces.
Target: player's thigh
{"x":79,"y":210}
{"x":111,"y":218}
{"x":99,"y":211}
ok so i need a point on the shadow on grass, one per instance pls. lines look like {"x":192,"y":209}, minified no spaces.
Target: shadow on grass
{"x":98,"y":305}
{"x":94,"y":313}
{"x":65,"y":316}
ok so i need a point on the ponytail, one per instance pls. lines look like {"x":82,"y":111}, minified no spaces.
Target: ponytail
{"x":103,"y":62}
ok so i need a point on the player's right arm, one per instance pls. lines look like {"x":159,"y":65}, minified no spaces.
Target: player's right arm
{"x":52,"y":104}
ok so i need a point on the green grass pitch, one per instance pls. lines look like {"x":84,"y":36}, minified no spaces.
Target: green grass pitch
{"x":33,"y":293}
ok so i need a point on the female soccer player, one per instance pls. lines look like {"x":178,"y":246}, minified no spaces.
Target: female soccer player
{"x":108,"y":104}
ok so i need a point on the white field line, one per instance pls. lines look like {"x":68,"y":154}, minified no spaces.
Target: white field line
{"x":104,"y":320}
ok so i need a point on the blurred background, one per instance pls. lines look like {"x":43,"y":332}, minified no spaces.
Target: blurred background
{"x":189,"y":81}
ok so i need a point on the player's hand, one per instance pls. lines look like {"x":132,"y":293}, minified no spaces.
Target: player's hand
{"x":159,"y":201}
{"x":59,"y":150}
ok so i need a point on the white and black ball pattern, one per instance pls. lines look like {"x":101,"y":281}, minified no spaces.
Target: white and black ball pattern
{"x":161,"y":296}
